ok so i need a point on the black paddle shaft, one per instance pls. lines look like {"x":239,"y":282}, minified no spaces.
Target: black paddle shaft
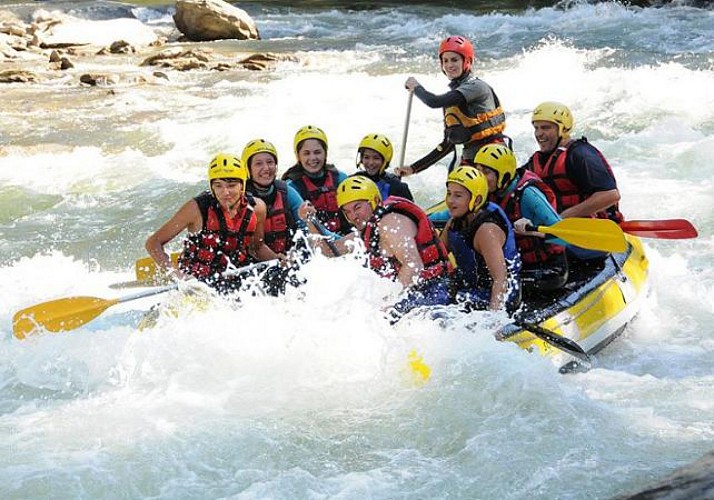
{"x":557,"y":341}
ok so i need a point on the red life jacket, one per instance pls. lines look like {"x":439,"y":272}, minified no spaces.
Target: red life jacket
{"x":323,"y":198}
{"x":533,"y":250}
{"x":220,"y":241}
{"x":432,"y":251}
{"x":554,"y":173}
{"x":279,"y":222}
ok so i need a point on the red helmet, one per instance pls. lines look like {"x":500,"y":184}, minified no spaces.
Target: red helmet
{"x":461,"y":46}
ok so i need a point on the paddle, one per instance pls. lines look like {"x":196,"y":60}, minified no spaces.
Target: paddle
{"x":595,"y":234}
{"x":666,"y":229}
{"x":436,"y":207}
{"x":558,"y":341}
{"x":148,"y":272}
{"x":405,"y":133}
{"x":69,"y":313}
{"x":419,"y":371}
{"x":325,"y":232}
{"x":72,"y":312}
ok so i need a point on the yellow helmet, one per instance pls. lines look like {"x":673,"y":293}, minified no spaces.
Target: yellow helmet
{"x":557,"y":113}
{"x":253,"y":148}
{"x":474,"y":181}
{"x":381,"y":144}
{"x":358,"y":187}
{"x":500,"y":159}
{"x":226,"y":166}
{"x":309,"y":132}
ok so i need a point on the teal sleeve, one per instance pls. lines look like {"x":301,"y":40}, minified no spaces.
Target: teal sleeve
{"x":440,"y":218}
{"x":535,"y":207}
{"x":294,"y":202}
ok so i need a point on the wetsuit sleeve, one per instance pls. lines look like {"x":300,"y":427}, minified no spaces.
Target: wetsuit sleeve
{"x":451,"y":98}
{"x":588,"y":170}
{"x":535,"y":207}
{"x":436,"y":154}
{"x":401,"y":189}
{"x":294,"y":202}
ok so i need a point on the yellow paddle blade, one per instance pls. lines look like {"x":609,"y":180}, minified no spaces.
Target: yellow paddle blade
{"x":148,"y":272}
{"x":420,"y":372}
{"x":603,"y":235}
{"x":436,"y":207}
{"x":58,"y":315}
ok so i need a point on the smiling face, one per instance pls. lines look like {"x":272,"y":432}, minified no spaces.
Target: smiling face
{"x":457,"y":199}
{"x":546,"y":135}
{"x":263,"y":169}
{"x":358,"y":213}
{"x":312,"y":156}
{"x":452,"y":64}
{"x":228,"y":192}
{"x":372,"y":162}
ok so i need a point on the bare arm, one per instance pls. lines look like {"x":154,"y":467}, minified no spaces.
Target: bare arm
{"x":488,"y":241}
{"x":188,"y":217}
{"x":596,"y":202}
{"x":398,"y":239}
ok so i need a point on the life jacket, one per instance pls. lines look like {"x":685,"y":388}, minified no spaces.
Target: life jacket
{"x":279,"y":223}
{"x":220,"y":242}
{"x":554,"y":173}
{"x":431,"y":249}
{"x":386,"y":183}
{"x":323,"y":198}
{"x":464,"y":126}
{"x":533,"y":250}
{"x":471,"y":269}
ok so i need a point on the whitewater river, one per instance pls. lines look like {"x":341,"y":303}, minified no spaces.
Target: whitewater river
{"x":307,"y":396}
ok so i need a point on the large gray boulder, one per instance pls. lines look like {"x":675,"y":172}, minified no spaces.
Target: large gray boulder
{"x":204,"y":20}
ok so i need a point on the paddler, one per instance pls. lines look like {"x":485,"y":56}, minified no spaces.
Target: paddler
{"x":282,"y":201}
{"x":577,"y":172}
{"x":224,"y":225}
{"x":527,"y":201}
{"x":473,"y":115}
{"x":282,"y":221}
{"x":400,"y":242}
{"x":374,"y":153}
{"x":315,"y":179}
{"x":482,"y":240}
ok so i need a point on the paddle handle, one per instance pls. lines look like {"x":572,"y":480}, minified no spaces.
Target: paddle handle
{"x":405,"y":133}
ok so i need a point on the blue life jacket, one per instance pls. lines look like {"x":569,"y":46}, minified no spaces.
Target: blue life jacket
{"x":472,"y":280}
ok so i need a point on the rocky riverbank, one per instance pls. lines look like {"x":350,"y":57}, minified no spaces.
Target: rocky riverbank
{"x":53,"y":45}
